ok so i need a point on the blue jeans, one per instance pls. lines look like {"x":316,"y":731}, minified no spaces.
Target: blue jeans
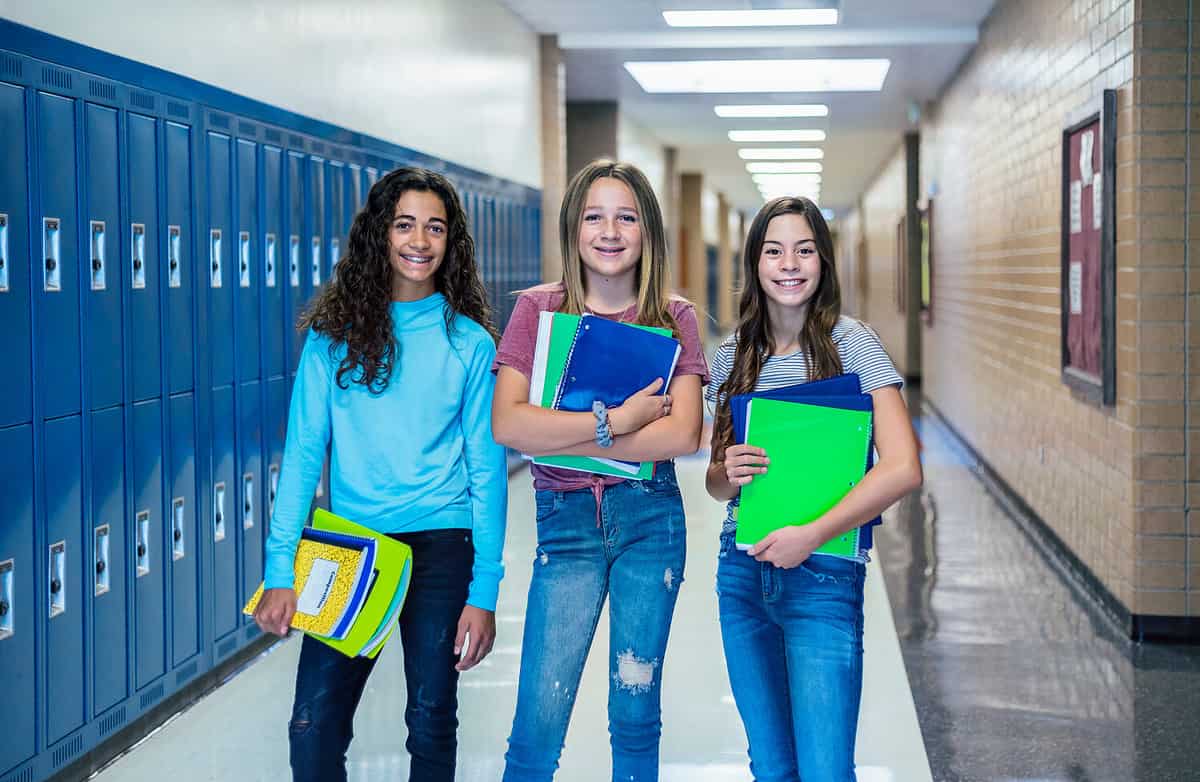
{"x":793,"y":648}
{"x":636,"y":557}
{"x":329,"y":684}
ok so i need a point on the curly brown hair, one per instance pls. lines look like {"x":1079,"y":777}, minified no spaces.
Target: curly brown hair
{"x":754,"y":338}
{"x":355,"y":307}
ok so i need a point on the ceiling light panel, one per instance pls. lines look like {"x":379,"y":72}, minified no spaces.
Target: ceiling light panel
{"x":770,"y":111}
{"x":803,"y":167}
{"x":844,"y":75}
{"x":777,"y":136}
{"x":781,"y":17}
{"x":781,"y":153}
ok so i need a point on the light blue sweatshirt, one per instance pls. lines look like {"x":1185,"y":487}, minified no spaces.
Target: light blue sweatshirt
{"x":419,"y":456}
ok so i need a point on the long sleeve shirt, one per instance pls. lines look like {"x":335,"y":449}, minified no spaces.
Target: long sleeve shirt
{"x":418,"y":456}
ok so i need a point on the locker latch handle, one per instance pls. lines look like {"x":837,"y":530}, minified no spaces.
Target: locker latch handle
{"x":294,"y":259}
{"x":270,"y":260}
{"x":335,"y":255}
{"x":219,"y":511}
{"x":174,"y":245}
{"x":244,"y":258}
{"x":101,"y":551}
{"x":137,"y":254}
{"x":51,"y":247}
{"x":177,"y":522}
{"x":316,"y":261}
{"x":3,"y":253}
{"x":248,"y":500}
{"x":6,"y":599}
{"x":58,"y":578}
{"x":142,"y":550}
{"x":99,"y":281}
{"x":214,"y":257}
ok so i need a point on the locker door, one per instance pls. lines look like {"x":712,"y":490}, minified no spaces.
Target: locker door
{"x":110,"y":642}
{"x":147,"y":540}
{"x":336,"y":180}
{"x":300,"y":276}
{"x":20,"y":598}
{"x":249,"y":495}
{"x":275,"y":275}
{"x":103,"y":336}
{"x":273,"y":439}
{"x":61,"y":596}
{"x":181,"y":530}
{"x":318,"y":221}
{"x":180,"y":271}
{"x":222,"y":525}
{"x":16,"y":395}
{"x":221,"y":245}
{"x":248,"y":272}
{"x":142,"y":258}
{"x":57,"y":278}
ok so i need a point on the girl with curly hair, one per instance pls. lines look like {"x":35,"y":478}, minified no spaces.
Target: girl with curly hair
{"x":395,"y":379}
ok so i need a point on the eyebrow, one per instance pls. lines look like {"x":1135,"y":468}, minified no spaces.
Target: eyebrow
{"x":619,"y":208}
{"x":414,"y":219}
{"x":776,"y":241}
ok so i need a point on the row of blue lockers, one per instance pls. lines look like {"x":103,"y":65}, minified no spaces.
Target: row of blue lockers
{"x":156,"y":249}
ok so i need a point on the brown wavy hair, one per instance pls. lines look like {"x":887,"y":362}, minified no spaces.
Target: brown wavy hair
{"x":754,"y":338}
{"x":653,"y":284}
{"x":355,"y":307}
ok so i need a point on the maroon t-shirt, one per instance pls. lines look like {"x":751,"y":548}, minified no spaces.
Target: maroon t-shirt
{"x":520,"y":339}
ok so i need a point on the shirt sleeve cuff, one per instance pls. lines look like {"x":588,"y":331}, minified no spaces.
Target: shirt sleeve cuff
{"x":279,"y":572}
{"x":483,"y":592}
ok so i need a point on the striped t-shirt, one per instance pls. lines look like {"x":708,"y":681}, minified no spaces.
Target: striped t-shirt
{"x":858,"y":346}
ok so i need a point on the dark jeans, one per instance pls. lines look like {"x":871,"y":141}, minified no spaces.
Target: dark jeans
{"x":329,"y":684}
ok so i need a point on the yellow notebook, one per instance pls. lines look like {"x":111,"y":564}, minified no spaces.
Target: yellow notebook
{"x":330,"y":581}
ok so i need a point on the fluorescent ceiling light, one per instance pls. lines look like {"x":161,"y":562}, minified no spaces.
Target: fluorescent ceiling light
{"x":783,"y":17}
{"x":781,"y":153}
{"x":786,"y":179}
{"x":784,"y":168}
{"x":844,"y":75}
{"x":752,"y":136}
{"x":773,"y":110}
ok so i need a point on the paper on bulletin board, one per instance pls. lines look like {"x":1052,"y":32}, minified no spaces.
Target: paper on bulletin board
{"x":1097,"y":202}
{"x":1085,"y":155}
{"x":1075,"y":286}
{"x":1076,"y":207}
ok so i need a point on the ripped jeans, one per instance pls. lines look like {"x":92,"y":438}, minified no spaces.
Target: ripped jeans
{"x":635,"y":557}
{"x":329,"y":684}
{"x":793,"y":648}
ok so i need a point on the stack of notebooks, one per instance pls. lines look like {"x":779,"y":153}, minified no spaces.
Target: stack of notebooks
{"x":818,"y":438}
{"x":350,"y":585}
{"x":579,"y":359}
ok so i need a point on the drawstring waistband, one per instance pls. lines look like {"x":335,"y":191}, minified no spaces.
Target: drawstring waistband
{"x":597,"y":484}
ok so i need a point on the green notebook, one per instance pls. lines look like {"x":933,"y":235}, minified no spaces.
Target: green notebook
{"x":377,"y":617}
{"x":556,"y":334}
{"x":817,"y":455}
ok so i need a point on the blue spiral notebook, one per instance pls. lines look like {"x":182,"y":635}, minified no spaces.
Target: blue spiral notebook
{"x":611,"y":361}
{"x":842,"y":391}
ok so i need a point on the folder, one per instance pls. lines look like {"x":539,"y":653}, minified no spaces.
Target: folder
{"x":818,"y":454}
{"x":611,"y":361}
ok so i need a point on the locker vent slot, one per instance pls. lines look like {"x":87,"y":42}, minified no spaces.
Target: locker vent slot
{"x":152,"y":694}
{"x":273,"y":135}
{"x":21,"y":776}
{"x":54,"y":77}
{"x":10,"y":65}
{"x":142,"y":100}
{"x":68,"y":751}
{"x":102,"y":89}
{"x":178,"y":109}
{"x":186,"y":672}
{"x":317,"y":147}
{"x":295,"y":141}
{"x":246,"y":129}
{"x":218,"y":120}
{"x":224,"y":648}
{"x":111,"y":721}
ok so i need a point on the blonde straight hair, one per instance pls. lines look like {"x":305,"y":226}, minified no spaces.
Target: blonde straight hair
{"x":652,"y":269}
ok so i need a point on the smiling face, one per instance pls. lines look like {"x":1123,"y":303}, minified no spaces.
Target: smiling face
{"x":610,"y":230}
{"x":416,"y":244}
{"x":789,"y":266}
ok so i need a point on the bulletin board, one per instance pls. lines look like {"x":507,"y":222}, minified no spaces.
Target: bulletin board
{"x":1089,"y":253}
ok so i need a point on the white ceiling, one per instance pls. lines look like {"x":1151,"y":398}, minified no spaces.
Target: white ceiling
{"x":926,"y":40}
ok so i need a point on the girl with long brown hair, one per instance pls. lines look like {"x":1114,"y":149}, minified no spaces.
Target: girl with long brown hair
{"x":600,"y":537}
{"x":791,"y":617}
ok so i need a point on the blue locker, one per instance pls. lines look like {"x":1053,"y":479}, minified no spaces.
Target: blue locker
{"x":223,"y":524}
{"x":300,"y":282}
{"x":147,"y":540}
{"x":16,"y":395}
{"x":180,"y":271}
{"x":318,"y":221}
{"x":182,"y":533}
{"x":220,"y":245}
{"x":57,"y":281}
{"x":61,"y":603}
{"x":275,"y":432}
{"x":248,"y":268}
{"x":21,"y":602}
{"x":142,"y":258}
{"x":110,"y":640}
{"x":249,"y":516}
{"x":102,"y":294}
{"x":275,"y":273}
{"x":355,"y":191}
{"x":336,"y":181}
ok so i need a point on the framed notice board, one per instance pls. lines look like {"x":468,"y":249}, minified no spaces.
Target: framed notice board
{"x":1089,"y":252}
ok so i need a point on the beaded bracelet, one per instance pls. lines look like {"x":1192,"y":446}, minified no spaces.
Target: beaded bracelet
{"x":604,"y":436}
